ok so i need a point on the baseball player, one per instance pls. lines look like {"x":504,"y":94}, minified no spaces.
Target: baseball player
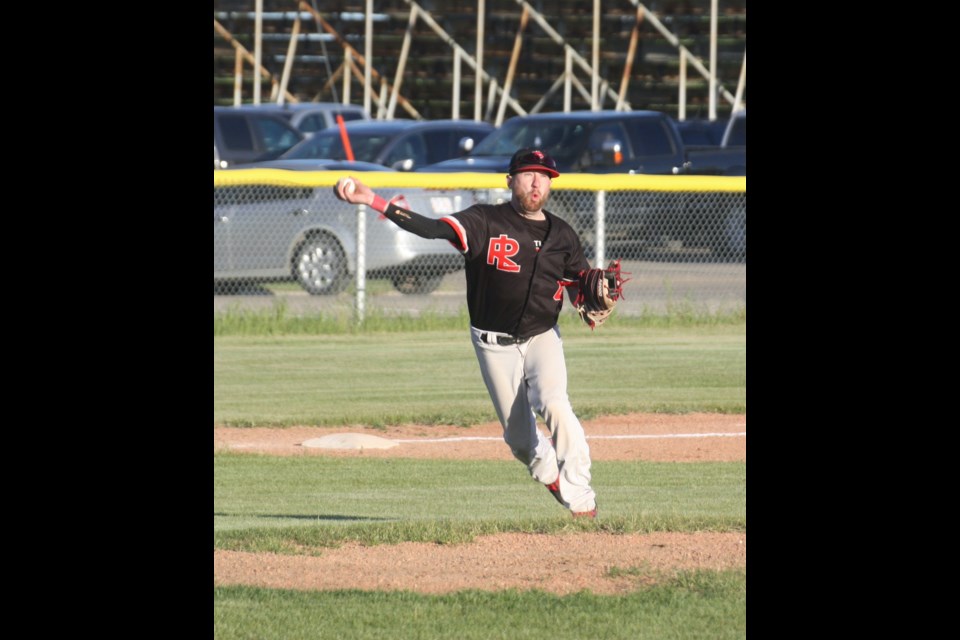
{"x":520,"y":260}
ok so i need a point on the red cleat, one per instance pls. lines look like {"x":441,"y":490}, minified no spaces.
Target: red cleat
{"x":554,"y":488}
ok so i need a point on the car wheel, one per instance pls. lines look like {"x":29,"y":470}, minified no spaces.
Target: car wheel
{"x":321,"y":266}
{"x":416,"y":284}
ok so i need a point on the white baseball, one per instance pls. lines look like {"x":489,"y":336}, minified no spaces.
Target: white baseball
{"x":347,"y":185}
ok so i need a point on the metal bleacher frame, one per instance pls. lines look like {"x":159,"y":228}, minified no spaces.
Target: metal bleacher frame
{"x":387,"y":96}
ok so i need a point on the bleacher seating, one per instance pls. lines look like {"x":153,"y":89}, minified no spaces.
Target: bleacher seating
{"x":428,"y":78}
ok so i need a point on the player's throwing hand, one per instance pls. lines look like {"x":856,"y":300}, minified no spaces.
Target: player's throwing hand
{"x":351,"y":190}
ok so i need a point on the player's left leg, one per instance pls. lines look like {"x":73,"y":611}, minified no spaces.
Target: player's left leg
{"x":545,"y":372}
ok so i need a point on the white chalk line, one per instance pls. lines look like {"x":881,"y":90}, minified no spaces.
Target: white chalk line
{"x":624,"y":437}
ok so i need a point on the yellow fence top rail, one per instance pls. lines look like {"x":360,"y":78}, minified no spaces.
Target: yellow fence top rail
{"x":578,"y":181}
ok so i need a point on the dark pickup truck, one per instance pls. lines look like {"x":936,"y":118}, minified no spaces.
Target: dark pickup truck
{"x":728,"y":137}
{"x":631,"y":142}
{"x":600,"y":142}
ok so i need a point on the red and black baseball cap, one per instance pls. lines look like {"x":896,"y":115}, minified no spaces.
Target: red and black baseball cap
{"x":528,"y":159}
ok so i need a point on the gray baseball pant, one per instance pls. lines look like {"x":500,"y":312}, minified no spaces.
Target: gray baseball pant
{"x":529,"y":380}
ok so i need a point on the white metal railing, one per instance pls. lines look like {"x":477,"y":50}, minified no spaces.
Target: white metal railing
{"x":462,"y":53}
{"x":687,"y":57}
{"x":389,"y":94}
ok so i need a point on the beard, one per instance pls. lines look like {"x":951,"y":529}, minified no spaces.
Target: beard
{"x":530,"y":205}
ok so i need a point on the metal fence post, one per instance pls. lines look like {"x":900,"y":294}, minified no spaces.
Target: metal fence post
{"x":601,"y":228}
{"x":361,"y":262}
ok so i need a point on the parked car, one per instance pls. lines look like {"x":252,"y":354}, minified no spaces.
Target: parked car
{"x":304,"y":234}
{"x":403,"y":145}
{"x":243,"y":135}
{"x":310,"y":117}
{"x":700,"y":132}
{"x":319,"y":164}
{"x":736,"y":132}
{"x":606,"y":141}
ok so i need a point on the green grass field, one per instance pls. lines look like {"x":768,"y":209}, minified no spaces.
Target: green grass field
{"x":694,"y":605}
{"x":431,"y":375}
{"x":282,"y":374}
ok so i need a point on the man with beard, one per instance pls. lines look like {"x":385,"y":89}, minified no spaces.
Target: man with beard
{"x":519,"y":261}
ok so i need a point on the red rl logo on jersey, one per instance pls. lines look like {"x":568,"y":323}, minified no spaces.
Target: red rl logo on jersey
{"x":499,"y":252}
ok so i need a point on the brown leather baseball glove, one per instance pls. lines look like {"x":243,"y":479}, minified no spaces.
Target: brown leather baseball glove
{"x":600,"y":291}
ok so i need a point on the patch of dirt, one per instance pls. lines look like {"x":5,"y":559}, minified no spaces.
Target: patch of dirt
{"x":583,"y":561}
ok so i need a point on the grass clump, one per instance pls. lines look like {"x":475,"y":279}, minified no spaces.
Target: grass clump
{"x":278,"y":320}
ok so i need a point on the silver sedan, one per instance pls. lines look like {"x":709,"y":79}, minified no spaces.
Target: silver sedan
{"x":305,"y":234}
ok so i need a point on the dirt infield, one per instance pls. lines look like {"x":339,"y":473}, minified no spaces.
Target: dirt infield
{"x":522,"y":561}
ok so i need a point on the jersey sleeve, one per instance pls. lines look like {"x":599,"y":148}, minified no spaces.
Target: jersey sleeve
{"x":462,"y":243}
{"x":469,"y":225}
{"x":419,"y":225}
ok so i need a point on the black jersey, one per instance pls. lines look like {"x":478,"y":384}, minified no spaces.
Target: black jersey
{"x":517,"y":269}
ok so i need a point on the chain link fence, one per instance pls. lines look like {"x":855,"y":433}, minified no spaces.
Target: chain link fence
{"x":283,"y":235}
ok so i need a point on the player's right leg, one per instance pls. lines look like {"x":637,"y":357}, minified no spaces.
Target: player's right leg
{"x":502,"y":370}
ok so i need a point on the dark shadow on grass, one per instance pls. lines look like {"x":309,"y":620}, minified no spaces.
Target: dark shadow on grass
{"x":287,"y":516}
{"x":329,"y":517}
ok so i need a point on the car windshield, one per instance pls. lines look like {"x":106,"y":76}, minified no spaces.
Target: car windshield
{"x":561,"y":140}
{"x":327,"y":144}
